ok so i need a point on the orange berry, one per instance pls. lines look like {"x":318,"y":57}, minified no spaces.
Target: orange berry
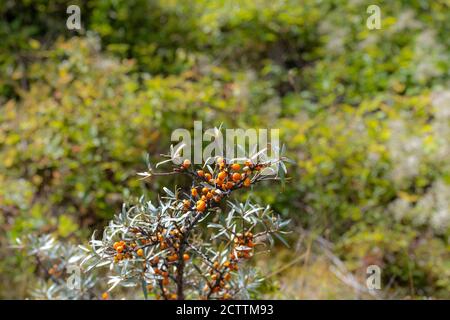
{"x":194,"y":192}
{"x":229,"y":185}
{"x":226,"y":264}
{"x":140,"y":252}
{"x":200,"y":173}
{"x":116,"y":244}
{"x":186,"y":203}
{"x":119,"y":249}
{"x":201,"y":205}
{"x":247,"y":182}
{"x":208,"y":176}
{"x":186,"y":163}
{"x":205,"y":190}
{"x":220,"y":160}
{"x":236,"y":177}
{"x":173,"y":257}
{"x":186,"y":257}
{"x":235,"y":166}
{"x":248,"y":163}
{"x":227,"y":277}
{"x":165,"y":281}
{"x":209,"y":195}
{"x":105,"y":295}
{"x":222,"y":175}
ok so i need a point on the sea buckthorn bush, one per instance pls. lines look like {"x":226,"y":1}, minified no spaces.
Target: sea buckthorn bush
{"x":163,"y":247}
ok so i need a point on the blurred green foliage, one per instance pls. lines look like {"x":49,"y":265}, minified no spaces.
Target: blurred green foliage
{"x":365,"y":113}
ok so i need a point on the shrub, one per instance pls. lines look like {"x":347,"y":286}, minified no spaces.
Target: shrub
{"x":163,"y":249}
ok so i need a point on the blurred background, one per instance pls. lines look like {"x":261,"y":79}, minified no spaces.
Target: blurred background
{"x":364,"y":113}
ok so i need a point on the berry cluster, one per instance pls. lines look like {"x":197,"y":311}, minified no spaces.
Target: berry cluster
{"x":243,"y":246}
{"x":126,"y":250}
{"x":214,"y":185}
{"x":220,"y":276}
{"x":163,"y":265}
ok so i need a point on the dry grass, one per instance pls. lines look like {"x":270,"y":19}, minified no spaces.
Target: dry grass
{"x":308,"y":275}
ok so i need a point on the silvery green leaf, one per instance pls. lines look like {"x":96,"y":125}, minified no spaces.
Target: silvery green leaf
{"x":242,"y":248}
{"x":255,"y":156}
{"x":84,"y":248}
{"x":283,"y":149}
{"x":147,"y":161}
{"x":281,"y":239}
{"x":163,"y":162}
{"x":270,"y":238}
{"x":74,"y":259}
{"x":177,"y":152}
{"x":115,"y":281}
{"x":219,"y":234}
{"x":284,"y":223}
{"x":215,"y":225}
{"x":104,"y":263}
